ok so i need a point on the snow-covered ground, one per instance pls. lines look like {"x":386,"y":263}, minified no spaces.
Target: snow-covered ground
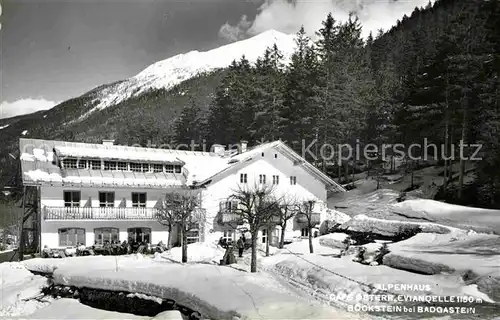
{"x":17,"y":284}
{"x":460,"y":216}
{"x":476,"y":257}
{"x":214,"y":291}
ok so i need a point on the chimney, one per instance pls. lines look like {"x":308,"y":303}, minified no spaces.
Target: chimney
{"x":108,"y":142}
{"x":218,"y":149}
{"x":243,"y":146}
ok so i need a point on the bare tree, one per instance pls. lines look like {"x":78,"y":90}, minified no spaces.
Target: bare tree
{"x":256,"y":206}
{"x":287,"y":209}
{"x":306,"y":212}
{"x":166,"y":216}
{"x":182,"y":208}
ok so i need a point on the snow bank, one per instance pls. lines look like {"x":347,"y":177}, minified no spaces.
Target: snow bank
{"x":391,"y":228}
{"x":480,"y":220}
{"x":335,"y":240}
{"x":17,"y":284}
{"x":102,"y":262}
{"x":197,"y":252}
{"x":302,"y":247}
{"x":216,"y":292}
{"x":471,"y":255}
{"x":321,"y":275}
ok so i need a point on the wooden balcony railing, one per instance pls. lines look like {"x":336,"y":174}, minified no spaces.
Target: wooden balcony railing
{"x":228,"y":216}
{"x":99,"y":213}
{"x":315,"y":218}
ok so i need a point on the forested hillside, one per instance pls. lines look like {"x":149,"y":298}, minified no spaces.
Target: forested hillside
{"x":433,"y":76}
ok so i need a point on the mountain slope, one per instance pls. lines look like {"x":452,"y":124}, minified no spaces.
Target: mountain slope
{"x":167,"y":73}
{"x":139,"y":109}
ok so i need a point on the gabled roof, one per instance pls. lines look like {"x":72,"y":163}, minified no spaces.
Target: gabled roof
{"x":243,"y":159}
{"x":38,"y":164}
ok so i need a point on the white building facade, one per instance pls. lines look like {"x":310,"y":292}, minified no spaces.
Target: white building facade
{"x":97,"y":193}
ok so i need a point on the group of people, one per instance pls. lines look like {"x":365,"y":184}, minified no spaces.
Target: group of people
{"x":112,"y":248}
{"x":240,"y":244}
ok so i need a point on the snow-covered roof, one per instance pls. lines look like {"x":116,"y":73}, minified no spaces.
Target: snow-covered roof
{"x":39,"y":164}
{"x":112,"y":152}
{"x":241,"y":158}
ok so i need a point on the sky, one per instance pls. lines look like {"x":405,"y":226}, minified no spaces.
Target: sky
{"x":54,"y":50}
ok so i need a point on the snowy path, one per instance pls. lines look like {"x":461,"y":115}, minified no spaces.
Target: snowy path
{"x":214,"y":291}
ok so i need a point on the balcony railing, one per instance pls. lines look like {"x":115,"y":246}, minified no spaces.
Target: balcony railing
{"x":99,"y":213}
{"x":315,"y":218}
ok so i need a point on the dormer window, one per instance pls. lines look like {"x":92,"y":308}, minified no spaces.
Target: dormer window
{"x":157,"y":167}
{"x":95,"y":164}
{"x":109,"y":165}
{"x":122,"y":166}
{"x":70,"y":163}
{"x":82,"y":164}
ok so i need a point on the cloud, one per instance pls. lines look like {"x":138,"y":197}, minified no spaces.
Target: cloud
{"x":24,"y":106}
{"x":237,"y":32}
{"x":288,"y":16}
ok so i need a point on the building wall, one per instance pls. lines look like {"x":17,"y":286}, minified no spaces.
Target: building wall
{"x":307,"y":188}
{"x":53,"y":196}
{"x":50,"y":235}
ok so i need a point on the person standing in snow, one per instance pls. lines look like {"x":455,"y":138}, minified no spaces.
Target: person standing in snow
{"x":241,"y":246}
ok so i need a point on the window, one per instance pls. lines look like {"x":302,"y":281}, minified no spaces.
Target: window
{"x":264,"y":236}
{"x":243,"y":178}
{"x":145,"y":167}
{"x":169,"y":168}
{"x":262,"y":178}
{"x":72,"y":198}
{"x":178,"y":169}
{"x":229,"y":205}
{"x":71,"y":236}
{"x":262,"y":153}
{"x":106,"y":199}
{"x":276,"y":179}
{"x":138,"y":200}
{"x":139,"y":235}
{"x":193,"y":236}
{"x":293,"y":180}
{"x":228,"y":236}
{"x":95,"y":164}
{"x":82,"y":164}
{"x":136,"y":167}
{"x":157,"y":167}
{"x":69,"y":163}
{"x":304,"y":232}
{"x":106,"y":235}
{"x":122,"y":166}
{"x":109,"y":165}
{"x":275,"y":155}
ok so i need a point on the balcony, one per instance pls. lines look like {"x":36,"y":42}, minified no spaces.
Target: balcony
{"x":99,"y":213}
{"x":228,"y":216}
{"x":315,"y":218}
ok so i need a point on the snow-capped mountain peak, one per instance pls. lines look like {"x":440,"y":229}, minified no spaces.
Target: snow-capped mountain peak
{"x":172,"y":71}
